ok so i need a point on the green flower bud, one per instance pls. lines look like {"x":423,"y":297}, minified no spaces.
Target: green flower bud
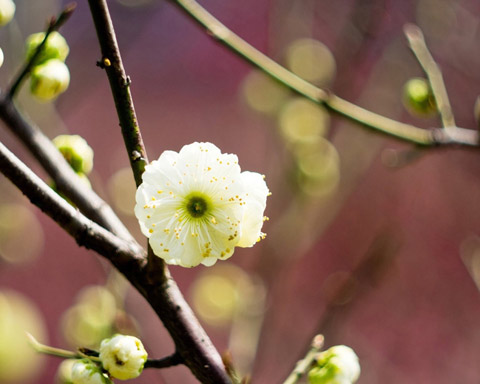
{"x":337,"y":365}
{"x":86,"y":372}
{"x":123,"y":356}
{"x":7,"y":10}
{"x":49,"y":79}
{"x":76,"y":151}
{"x":55,"y":47}
{"x":418,"y":96}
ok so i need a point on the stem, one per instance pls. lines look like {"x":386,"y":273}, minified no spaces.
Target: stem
{"x":54,"y":25}
{"x":42,"y":348}
{"x":419,"y":47}
{"x":304,"y":365}
{"x":406,"y":132}
{"x":120,"y":85}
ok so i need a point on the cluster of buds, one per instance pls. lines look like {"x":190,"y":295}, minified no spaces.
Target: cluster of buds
{"x":121,"y":357}
{"x":50,"y":75}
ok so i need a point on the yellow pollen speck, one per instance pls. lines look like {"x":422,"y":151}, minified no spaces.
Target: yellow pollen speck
{"x":159,"y":191}
{"x":266,"y":218}
{"x":145,"y":206}
{"x":153,"y":198}
{"x":213,"y":220}
{"x":209,"y":168}
{"x":148,"y":216}
{"x":166,"y":250}
{"x":166,"y":230}
{"x":150,"y":230}
{"x":269,"y":194}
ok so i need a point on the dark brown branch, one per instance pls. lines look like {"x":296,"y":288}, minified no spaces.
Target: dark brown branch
{"x":120,"y":85}
{"x":86,"y":232}
{"x":54,"y":25}
{"x":152,"y":280}
{"x":66,"y":180}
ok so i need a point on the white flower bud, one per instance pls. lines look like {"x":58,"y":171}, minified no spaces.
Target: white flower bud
{"x":7,"y":10}
{"x":49,"y":79}
{"x":56,"y":47}
{"x":87,"y":372}
{"x":337,"y":365}
{"x":76,"y":151}
{"x":2,"y":57}
{"x":123,"y":356}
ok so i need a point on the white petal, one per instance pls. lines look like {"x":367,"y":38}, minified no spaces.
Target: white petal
{"x":256,"y":200}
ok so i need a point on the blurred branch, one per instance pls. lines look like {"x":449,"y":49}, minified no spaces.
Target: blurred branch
{"x":54,"y":25}
{"x":406,"y":132}
{"x":419,"y":47}
{"x":120,"y":86}
{"x":304,"y":365}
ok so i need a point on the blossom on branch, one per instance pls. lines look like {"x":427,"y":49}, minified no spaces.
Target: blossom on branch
{"x":86,"y":372}
{"x":196,"y":206}
{"x":123,"y":356}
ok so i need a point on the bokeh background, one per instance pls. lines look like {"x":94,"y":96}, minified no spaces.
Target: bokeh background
{"x":371,"y":242}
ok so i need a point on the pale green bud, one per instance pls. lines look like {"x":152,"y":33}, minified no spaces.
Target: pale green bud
{"x":337,"y":365}
{"x":49,"y":79}
{"x":123,"y":356}
{"x":55,"y":47}
{"x":76,"y":151}
{"x":418,"y":96}
{"x":86,"y":372}
{"x":7,"y":10}
{"x":64,"y":372}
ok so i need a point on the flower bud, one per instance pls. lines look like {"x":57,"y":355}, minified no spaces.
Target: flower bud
{"x":86,"y":372}
{"x":337,"y":365}
{"x":76,"y":151}
{"x":2,"y":57}
{"x":55,"y":47}
{"x":7,"y":10}
{"x":49,"y":79}
{"x":123,"y":356}
{"x":418,"y":96}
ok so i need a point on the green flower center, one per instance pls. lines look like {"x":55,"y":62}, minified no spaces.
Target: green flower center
{"x":197,"y":205}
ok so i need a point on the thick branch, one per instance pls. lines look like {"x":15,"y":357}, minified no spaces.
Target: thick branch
{"x":86,"y":232}
{"x":66,"y":180}
{"x":152,"y":280}
{"x":367,"y":118}
{"x":120,"y":85}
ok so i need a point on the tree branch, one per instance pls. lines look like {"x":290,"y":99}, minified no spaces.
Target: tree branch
{"x":419,"y":48}
{"x":304,"y":365}
{"x":120,"y":85}
{"x":406,"y":132}
{"x":156,"y":285}
{"x":66,"y":180}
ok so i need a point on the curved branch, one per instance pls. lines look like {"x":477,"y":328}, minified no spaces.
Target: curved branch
{"x":336,"y":104}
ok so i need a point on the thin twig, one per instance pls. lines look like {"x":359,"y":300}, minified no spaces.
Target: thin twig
{"x":406,"y":132}
{"x":419,"y":47}
{"x":302,"y":367}
{"x":120,"y":86}
{"x":54,"y":25}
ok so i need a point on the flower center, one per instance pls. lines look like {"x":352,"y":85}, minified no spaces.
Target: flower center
{"x":197,"y":205}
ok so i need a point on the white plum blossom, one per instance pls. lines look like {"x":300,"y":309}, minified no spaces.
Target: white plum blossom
{"x":86,"y":372}
{"x":336,"y":365}
{"x":196,"y":205}
{"x":123,"y":356}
